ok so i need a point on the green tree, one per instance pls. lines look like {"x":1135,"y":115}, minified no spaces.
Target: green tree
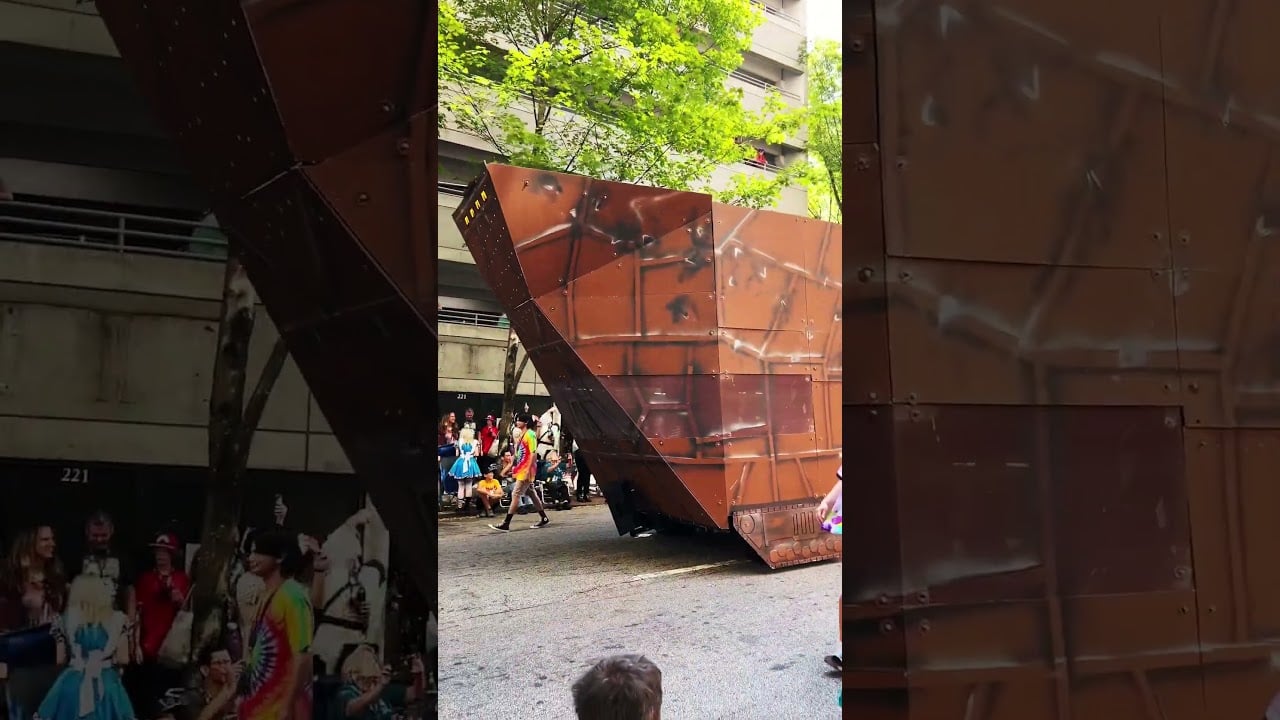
{"x":824,"y":171}
{"x":626,"y":90}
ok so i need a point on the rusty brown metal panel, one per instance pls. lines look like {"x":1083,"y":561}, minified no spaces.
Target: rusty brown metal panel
{"x":1028,"y":334}
{"x":865,"y":306}
{"x":1002,"y":144}
{"x":874,"y":582}
{"x":966,"y":483}
{"x":312,"y":270}
{"x":1120,"y":501}
{"x":569,"y":226}
{"x":197,"y":64}
{"x":1224,"y":186}
{"x":1228,"y":344}
{"x":861,"y":126}
{"x":384,"y":178}
{"x":359,"y":69}
{"x":875,"y":652}
{"x":1024,"y":535}
{"x":308,"y":124}
{"x":1231,"y":481}
{"x":694,"y":345}
{"x":1079,"y":205}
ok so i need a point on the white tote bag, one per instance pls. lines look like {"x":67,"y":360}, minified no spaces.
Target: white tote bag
{"x":176,"y":648}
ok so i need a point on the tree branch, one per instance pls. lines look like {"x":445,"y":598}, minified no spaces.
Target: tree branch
{"x":835,"y":186}
{"x":257,"y":403}
{"x":568,"y":165}
{"x":520,"y":370}
{"x":234,"y":328}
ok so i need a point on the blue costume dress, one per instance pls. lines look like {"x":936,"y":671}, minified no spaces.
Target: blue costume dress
{"x":466,"y":467}
{"x":90,"y":687}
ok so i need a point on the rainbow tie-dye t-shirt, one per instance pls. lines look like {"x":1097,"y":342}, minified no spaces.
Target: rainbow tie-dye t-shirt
{"x":281,"y":639}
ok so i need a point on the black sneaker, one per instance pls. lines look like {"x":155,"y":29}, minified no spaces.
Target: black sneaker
{"x":500,"y":528}
{"x":541,"y":523}
{"x":833,"y":661}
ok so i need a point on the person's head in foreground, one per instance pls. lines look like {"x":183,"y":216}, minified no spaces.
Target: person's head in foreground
{"x":622,"y":687}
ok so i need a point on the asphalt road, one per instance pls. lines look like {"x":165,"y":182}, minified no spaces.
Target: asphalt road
{"x":524,"y":614}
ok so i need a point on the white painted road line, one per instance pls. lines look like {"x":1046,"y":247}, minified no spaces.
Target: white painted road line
{"x":683,"y":570}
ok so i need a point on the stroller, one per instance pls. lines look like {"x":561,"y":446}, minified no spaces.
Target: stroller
{"x":556,"y":495}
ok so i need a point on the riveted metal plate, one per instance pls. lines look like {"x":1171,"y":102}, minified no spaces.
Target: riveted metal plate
{"x":1026,"y":334}
{"x":696,"y":344}
{"x":378,"y":68}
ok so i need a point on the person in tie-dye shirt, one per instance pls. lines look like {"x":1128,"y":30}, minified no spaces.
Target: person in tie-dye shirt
{"x":277,"y":681}
{"x":522,"y":472}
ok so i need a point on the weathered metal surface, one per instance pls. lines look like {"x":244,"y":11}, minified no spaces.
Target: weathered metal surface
{"x":1065,"y":514}
{"x":1029,"y":334}
{"x":693,"y":348}
{"x":1038,"y":550}
{"x":310,"y":125}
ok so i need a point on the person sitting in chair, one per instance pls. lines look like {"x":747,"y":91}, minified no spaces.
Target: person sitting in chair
{"x":557,"y":488}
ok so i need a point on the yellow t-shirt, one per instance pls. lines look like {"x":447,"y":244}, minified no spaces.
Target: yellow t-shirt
{"x":490,"y":486}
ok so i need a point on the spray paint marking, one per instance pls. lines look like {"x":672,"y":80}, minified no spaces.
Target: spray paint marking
{"x":1031,"y":90}
{"x":946,"y":16}
{"x":682,"y":571}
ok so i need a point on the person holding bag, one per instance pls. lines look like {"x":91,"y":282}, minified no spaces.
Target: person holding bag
{"x":489,"y":440}
{"x":162,"y":595}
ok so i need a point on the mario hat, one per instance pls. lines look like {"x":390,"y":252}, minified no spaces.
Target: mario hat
{"x":166,"y":541}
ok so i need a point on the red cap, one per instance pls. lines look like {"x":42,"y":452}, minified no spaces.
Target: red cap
{"x":168,"y":541}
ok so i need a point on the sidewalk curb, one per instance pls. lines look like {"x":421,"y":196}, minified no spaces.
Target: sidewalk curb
{"x":452,"y":516}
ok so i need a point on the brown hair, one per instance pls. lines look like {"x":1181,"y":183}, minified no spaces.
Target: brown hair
{"x":621,"y":687}
{"x":22,"y":561}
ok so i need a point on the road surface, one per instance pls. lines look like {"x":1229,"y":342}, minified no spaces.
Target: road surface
{"x":524,"y":614}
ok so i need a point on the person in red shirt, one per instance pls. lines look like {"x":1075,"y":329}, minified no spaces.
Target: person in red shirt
{"x":488,"y":438}
{"x":162,"y":590}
